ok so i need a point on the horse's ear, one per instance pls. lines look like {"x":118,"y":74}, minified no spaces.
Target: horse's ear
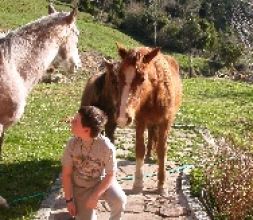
{"x":51,"y":9}
{"x":71,"y":17}
{"x":148,"y":57}
{"x":121,"y":50}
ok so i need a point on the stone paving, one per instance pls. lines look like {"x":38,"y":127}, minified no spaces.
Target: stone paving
{"x":148,"y":205}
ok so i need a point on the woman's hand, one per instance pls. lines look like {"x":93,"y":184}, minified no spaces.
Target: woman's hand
{"x":71,"y":208}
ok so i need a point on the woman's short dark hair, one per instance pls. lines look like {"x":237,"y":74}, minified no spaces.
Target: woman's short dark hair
{"x":93,"y":118}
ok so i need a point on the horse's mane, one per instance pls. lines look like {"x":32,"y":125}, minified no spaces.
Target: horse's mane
{"x":38,"y":25}
{"x":32,"y":30}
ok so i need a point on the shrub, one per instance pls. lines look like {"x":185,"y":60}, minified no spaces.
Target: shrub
{"x":229,"y":184}
{"x":168,"y":37}
{"x":133,"y":24}
{"x":229,"y":51}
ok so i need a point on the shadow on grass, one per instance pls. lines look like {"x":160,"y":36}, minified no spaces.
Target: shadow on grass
{"x":24,"y":185}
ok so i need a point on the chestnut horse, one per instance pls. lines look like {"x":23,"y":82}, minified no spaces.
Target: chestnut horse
{"x":101,"y":91}
{"x":150,"y":94}
{"x":26,"y":53}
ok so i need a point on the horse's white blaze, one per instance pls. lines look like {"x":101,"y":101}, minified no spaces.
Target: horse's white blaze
{"x":129,"y":76}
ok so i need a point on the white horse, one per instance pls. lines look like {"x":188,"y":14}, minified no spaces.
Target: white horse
{"x":26,"y":53}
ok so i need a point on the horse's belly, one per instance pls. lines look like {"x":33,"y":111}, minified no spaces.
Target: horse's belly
{"x":155,"y":115}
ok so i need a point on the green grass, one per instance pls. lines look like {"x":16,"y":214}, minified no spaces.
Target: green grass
{"x":198,"y":63}
{"x":224,"y":107}
{"x":102,"y":38}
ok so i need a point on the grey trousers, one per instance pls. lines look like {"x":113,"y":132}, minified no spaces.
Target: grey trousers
{"x":114,"y":196}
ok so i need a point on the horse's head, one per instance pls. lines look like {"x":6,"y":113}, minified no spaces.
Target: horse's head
{"x":111,"y":81}
{"x":134,"y":81}
{"x":67,"y":56}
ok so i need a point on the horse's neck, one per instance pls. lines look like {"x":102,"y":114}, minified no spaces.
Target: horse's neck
{"x":32,"y":58}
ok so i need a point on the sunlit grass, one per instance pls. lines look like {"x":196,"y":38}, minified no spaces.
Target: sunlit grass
{"x":223,"y":106}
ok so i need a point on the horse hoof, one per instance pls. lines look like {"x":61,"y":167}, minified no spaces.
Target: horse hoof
{"x":3,"y":203}
{"x":137,"y":189}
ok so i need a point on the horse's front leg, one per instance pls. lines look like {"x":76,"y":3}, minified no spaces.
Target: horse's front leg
{"x":139,"y":154}
{"x":162,"y":158}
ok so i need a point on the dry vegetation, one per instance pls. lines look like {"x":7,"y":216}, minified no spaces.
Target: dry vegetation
{"x":229,"y":184}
